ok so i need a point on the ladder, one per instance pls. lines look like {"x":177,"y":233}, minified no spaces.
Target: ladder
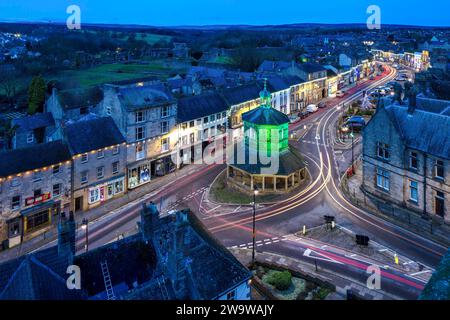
{"x":107,"y":279}
{"x":162,"y":287}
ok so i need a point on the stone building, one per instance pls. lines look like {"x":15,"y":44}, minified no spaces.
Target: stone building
{"x":265,"y":159}
{"x":146,"y":116}
{"x":170,"y":258}
{"x":406,"y":159}
{"x":98,"y":150}
{"x":34,"y":129}
{"x":34,"y":187}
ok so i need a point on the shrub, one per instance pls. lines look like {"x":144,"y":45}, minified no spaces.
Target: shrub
{"x":280,"y":280}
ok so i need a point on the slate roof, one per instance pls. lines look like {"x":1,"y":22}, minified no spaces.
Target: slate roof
{"x":438,"y":287}
{"x":135,"y":98}
{"x":38,"y":120}
{"x":289,"y":162}
{"x":265,"y":116}
{"x":34,"y":157}
{"x":424,"y":131}
{"x":92,"y":134}
{"x":241,"y":94}
{"x":278,"y":82}
{"x":76,"y":98}
{"x":195,"y":107}
{"x":274,"y":66}
{"x":310,"y":67}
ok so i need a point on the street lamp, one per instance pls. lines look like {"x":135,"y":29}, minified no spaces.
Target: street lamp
{"x":344,"y":130}
{"x":255,"y":193}
{"x":353,"y":155}
{"x":84,"y":226}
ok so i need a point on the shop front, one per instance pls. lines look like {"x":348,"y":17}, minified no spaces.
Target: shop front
{"x":35,"y":218}
{"x":139,"y":174}
{"x":105,"y":191}
{"x":163,"y":166}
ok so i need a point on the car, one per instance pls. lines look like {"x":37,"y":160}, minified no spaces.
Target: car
{"x":293,"y":118}
{"x":312,"y":108}
{"x":322,"y":105}
{"x":372,"y":77}
{"x":303,"y":114}
{"x":340,"y":94}
{"x":400,"y":78}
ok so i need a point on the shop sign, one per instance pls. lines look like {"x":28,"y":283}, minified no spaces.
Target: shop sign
{"x":36,"y":200}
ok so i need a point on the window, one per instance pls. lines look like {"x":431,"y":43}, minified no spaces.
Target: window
{"x":414,"y":191}
{"x":231,"y":295}
{"x":15,"y":203}
{"x":139,"y":116}
{"x":37,"y":176}
{"x":84,"y":158}
{"x":37,"y":193}
{"x":140,"y":154}
{"x":413,"y":161}
{"x":205,"y":120}
{"x":439,"y":202}
{"x":205,"y":133}
{"x":184,"y":140}
{"x":165,"y":112}
{"x":94,"y":195}
{"x":224,"y":114}
{"x":56,"y":169}
{"x":191,"y":124}
{"x":218,"y":116}
{"x":100,"y":172}
{"x":164,"y":144}
{"x":184,"y":126}
{"x":140,"y":133}
{"x":439,"y":169}
{"x":213,"y":131}
{"x":15,"y":182}
{"x":383,"y":179}
{"x":100,"y":154}
{"x":115,"y":167}
{"x":108,"y":110}
{"x":30,"y":137}
{"x":212,"y":118}
{"x":116,"y":150}
{"x":164,"y":127}
{"x":56,"y":189}
{"x":38,"y":219}
{"x":84,"y":177}
{"x":192,"y":138}
{"x":383,"y":150}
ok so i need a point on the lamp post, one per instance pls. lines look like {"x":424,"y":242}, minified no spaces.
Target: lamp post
{"x":84,"y":226}
{"x":353,"y":155}
{"x":255,"y":192}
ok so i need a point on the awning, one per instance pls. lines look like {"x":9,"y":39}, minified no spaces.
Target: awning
{"x":40,"y":207}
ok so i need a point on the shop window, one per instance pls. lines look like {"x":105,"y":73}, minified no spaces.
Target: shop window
{"x":15,"y":202}
{"x":14,"y":228}
{"x":439,"y":169}
{"x":94,"y":195}
{"x":139,"y":175}
{"x":56,"y":169}
{"x":100,"y":172}
{"x":115,"y":187}
{"x":164,"y":127}
{"x":36,"y":220}
{"x":115,"y":167}
{"x":56,"y":189}
{"x":84,"y":158}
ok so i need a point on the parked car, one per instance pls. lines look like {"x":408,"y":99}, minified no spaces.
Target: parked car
{"x":303,"y":114}
{"x":372,"y":78}
{"x":340,"y":94}
{"x":322,"y":105}
{"x":293,"y":118}
{"x":312,"y":108}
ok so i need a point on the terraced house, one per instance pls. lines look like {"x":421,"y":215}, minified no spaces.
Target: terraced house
{"x":34,"y":188}
{"x":146,"y":117}
{"x":406,"y":160}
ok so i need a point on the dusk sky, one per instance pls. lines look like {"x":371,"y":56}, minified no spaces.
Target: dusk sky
{"x":206,"y":12}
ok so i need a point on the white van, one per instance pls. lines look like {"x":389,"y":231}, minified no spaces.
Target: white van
{"x":312,"y":108}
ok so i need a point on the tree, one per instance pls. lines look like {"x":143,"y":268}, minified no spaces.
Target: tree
{"x":36,"y":95}
{"x":9,"y":83}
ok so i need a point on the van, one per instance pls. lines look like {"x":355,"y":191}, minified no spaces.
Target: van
{"x":312,"y":108}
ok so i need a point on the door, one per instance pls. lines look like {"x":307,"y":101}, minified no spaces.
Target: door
{"x":78,"y":204}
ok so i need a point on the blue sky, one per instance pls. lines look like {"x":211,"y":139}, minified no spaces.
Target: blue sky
{"x":206,"y":12}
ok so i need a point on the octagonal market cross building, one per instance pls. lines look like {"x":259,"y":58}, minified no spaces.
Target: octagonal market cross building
{"x":265,"y":160}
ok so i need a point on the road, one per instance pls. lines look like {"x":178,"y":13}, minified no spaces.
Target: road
{"x":232,"y":224}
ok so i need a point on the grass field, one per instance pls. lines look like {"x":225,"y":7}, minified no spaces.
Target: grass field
{"x":113,"y":72}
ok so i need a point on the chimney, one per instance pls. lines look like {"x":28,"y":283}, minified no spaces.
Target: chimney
{"x":66,"y":235}
{"x":149,"y":220}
